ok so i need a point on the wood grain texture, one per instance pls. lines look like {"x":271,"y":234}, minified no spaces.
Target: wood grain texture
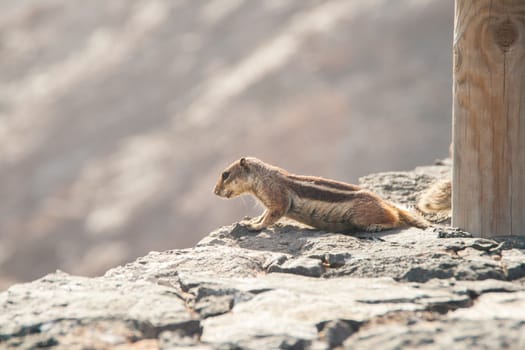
{"x":489,"y":117}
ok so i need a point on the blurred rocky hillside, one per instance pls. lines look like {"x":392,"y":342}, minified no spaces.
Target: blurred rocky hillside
{"x":117,"y":116}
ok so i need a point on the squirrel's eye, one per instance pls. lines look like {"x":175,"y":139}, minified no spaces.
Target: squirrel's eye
{"x":225,"y":175}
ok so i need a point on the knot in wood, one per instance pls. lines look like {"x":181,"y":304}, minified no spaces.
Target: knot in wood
{"x":505,"y":34}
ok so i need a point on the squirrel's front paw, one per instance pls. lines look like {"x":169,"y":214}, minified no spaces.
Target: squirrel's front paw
{"x":248,"y":222}
{"x":245,"y":222}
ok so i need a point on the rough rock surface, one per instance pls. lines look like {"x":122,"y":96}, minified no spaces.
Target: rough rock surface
{"x":288,"y":287}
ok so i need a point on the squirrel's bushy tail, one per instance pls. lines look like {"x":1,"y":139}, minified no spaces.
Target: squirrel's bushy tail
{"x":409,"y":219}
{"x":436,"y":198}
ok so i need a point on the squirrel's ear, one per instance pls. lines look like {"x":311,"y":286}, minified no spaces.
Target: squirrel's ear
{"x":243,"y":163}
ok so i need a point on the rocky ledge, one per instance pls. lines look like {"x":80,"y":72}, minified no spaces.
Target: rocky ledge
{"x":289,"y":288}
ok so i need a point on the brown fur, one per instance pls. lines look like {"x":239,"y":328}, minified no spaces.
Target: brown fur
{"x":437,"y":198}
{"x":321,"y":203}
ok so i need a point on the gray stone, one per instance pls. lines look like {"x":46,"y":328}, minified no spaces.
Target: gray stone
{"x":334,"y":333}
{"x":495,"y":334}
{"x":451,"y":232}
{"x":299,"y":266}
{"x":445,"y":267}
{"x":39,"y":306}
{"x":269,"y":342}
{"x":335,"y":260}
{"x":214,"y":305}
{"x":288,"y":287}
{"x":232,"y":261}
{"x":295,"y":305}
{"x":411,"y":254}
{"x":224,"y":295}
{"x":495,"y":321}
{"x":513,"y":263}
{"x":174,"y":340}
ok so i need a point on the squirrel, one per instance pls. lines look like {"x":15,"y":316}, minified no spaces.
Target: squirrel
{"x":320,"y":203}
{"x":437,"y":198}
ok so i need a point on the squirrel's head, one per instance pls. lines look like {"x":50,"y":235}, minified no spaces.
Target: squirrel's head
{"x":235,"y":179}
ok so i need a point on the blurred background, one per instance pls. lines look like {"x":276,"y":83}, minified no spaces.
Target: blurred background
{"x":117,"y":117}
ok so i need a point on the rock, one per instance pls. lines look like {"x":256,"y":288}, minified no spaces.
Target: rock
{"x":300,"y":266}
{"x":451,"y":232}
{"x":113,"y":311}
{"x":174,"y":340}
{"x":513,"y":263}
{"x":336,"y":332}
{"x":239,"y":262}
{"x":411,"y":254}
{"x":295,"y":306}
{"x":335,"y":260}
{"x":445,"y":267}
{"x":454,"y":334}
{"x":503,"y":306}
{"x":287,"y":287}
{"x":214,"y":305}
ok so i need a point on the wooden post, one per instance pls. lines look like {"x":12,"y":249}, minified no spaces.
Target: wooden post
{"x":489,"y":117}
